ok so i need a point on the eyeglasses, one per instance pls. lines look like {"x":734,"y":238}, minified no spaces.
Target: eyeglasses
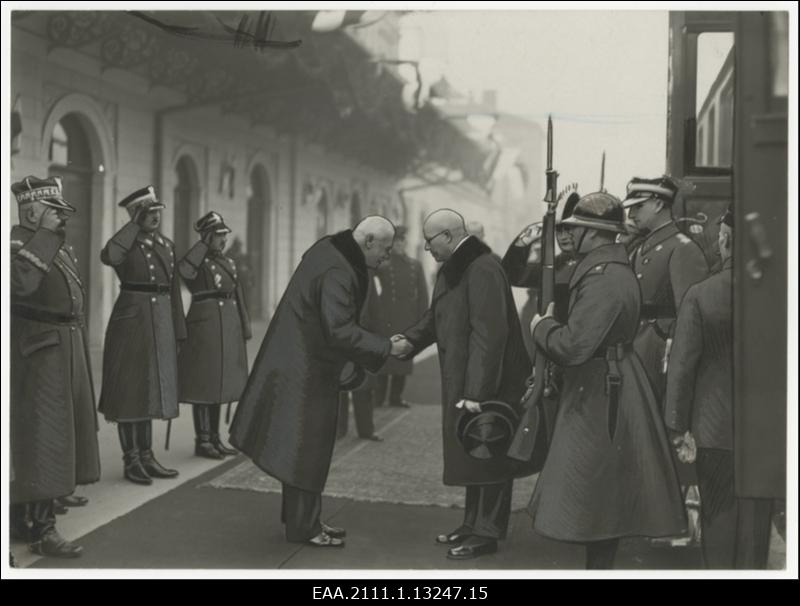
{"x":434,"y":236}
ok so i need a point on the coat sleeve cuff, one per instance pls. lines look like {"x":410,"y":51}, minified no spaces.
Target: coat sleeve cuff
{"x":126,"y":236}
{"x":543,"y":330}
{"x":196,"y":254}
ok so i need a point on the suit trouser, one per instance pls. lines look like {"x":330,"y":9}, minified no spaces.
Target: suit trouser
{"x":362,"y":411}
{"x":395,"y":389}
{"x":300,"y":512}
{"x":487,"y":509}
{"x":735,"y":531}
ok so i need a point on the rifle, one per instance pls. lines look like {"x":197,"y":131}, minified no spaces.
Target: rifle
{"x":538,"y":414}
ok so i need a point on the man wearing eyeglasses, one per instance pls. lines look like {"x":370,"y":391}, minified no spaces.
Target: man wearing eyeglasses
{"x":474,"y":322}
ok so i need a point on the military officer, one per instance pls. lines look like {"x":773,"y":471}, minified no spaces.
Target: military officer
{"x":140,"y":374}
{"x":608,"y":473}
{"x":666,"y":263}
{"x":53,"y":419}
{"x":212,"y":363}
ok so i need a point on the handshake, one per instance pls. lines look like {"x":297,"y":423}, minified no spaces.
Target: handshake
{"x":401,"y":347}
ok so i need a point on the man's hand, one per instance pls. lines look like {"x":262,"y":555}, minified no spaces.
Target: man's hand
{"x":401,"y":347}
{"x":138,"y":215}
{"x":206,"y":237}
{"x":529,"y":235}
{"x":470,"y":405}
{"x":50,"y":220}
{"x":685,"y":447}
{"x":537,"y":318}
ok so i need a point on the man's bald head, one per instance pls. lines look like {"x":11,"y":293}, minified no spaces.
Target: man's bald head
{"x":375,"y":236}
{"x":443,"y":230}
{"x":475,"y":228}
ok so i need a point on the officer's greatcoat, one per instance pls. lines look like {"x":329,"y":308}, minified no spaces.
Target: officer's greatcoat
{"x":212,"y":363}
{"x":53,"y":420}
{"x":286,"y":418}
{"x":609,"y":472}
{"x":140,"y":362}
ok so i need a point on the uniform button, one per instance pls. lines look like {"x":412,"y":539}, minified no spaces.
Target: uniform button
{"x":148,"y":255}
{"x":659,"y":247}
{"x":152,"y":278}
{"x":152,"y":267}
{"x":153,"y":299}
{"x":646,"y":261}
{"x":639,"y":276}
{"x":221,"y":303}
{"x":72,"y":328}
{"x":213,"y":267}
{"x":234,"y":302}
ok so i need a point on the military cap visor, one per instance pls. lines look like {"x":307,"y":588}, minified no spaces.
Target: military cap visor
{"x":46,"y":191}
{"x":143,"y":197}
{"x":642,"y":190}
{"x":211,"y":222}
{"x":601,"y":224}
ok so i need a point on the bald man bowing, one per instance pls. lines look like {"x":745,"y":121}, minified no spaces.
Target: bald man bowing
{"x":286,"y":419}
{"x":474,"y":322}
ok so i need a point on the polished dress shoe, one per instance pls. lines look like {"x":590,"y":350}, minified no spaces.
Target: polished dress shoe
{"x":59,"y":508}
{"x":323,"y":539}
{"x":207,"y":450}
{"x":73,"y":501}
{"x":334,"y":531}
{"x":472,"y":548}
{"x":54,"y":545}
{"x":400,"y":404}
{"x":225,"y":451}
{"x":155,"y":469}
{"x":372,"y":438}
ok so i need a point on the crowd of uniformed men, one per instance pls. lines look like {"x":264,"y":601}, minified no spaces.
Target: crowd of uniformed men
{"x":640,"y":337}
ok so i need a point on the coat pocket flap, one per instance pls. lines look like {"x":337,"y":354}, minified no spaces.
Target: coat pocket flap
{"x":130,"y":311}
{"x":39,"y":341}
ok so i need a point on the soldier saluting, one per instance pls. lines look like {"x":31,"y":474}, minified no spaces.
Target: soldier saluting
{"x":53,"y":421}
{"x":212,"y":363}
{"x":140,"y":362}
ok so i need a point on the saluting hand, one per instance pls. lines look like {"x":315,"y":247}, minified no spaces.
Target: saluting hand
{"x":529,"y":235}
{"x":547,"y":314}
{"x":50,"y":220}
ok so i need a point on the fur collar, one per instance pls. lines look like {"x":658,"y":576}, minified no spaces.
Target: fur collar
{"x":453,"y":269}
{"x":347,"y":246}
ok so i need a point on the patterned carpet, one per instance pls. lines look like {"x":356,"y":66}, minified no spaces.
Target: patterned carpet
{"x":405,"y":468}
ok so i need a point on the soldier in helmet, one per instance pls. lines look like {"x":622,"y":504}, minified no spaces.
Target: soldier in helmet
{"x":608,"y":473}
{"x":53,"y":420}
{"x":140,"y":374}
{"x":212,"y":363}
{"x":524,"y":268}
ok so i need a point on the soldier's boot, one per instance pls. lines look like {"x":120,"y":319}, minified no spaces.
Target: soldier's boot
{"x":203,"y":446}
{"x":46,"y":540}
{"x":215,"y":412}
{"x":134,"y":471}
{"x":144,"y":437}
{"x":20,"y":529}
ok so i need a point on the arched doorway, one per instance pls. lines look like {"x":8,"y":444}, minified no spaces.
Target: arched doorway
{"x":322,"y":214}
{"x":259,"y":213}
{"x":186,"y":200}
{"x":70,"y":156}
{"x":355,"y":209}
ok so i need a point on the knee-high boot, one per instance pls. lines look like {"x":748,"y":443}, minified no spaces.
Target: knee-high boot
{"x":144,"y":438}
{"x":203,"y":447}
{"x":214,"y":413}
{"x":46,"y":539}
{"x":134,"y":471}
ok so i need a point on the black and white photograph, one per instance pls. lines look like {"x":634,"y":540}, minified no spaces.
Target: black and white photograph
{"x":391,"y":290}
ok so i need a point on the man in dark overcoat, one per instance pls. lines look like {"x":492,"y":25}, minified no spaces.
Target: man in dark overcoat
{"x":140,"y":359}
{"x":699,"y":407}
{"x":286,"y":418}
{"x":53,"y":420}
{"x":212,"y":362}
{"x":473,"y":320}
{"x":609,"y":472}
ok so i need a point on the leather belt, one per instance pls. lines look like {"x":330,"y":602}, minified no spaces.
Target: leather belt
{"x":48,"y":317}
{"x":657,"y":312}
{"x":205,"y":296}
{"x":163,"y":289}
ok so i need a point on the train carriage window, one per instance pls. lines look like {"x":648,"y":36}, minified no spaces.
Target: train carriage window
{"x":779,"y":55}
{"x":714,"y":100}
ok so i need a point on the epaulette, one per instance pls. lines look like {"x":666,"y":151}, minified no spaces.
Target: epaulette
{"x":598,"y":269}
{"x":683,"y":238}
